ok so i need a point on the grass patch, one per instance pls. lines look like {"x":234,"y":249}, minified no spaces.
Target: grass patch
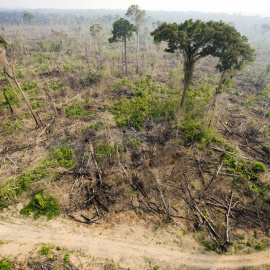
{"x":74,"y":111}
{"x":63,"y":156}
{"x":149,"y":100}
{"x":41,"y":58}
{"x":48,"y":46}
{"x":97,"y":126}
{"x":11,"y":126}
{"x":55,"y":86}
{"x":44,"y":68}
{"x":11,"y":95}
{"x":42,"y":204}
{"x":103,"y":149}
{"x":28,"y":86}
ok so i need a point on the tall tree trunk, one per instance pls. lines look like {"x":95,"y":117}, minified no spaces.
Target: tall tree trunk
{"x":138,"y":48}
{"x":11,"y":110}
{"x":99,"y":50}
{"x":221,"y":80}
{"x":95,"y":50}
{"x":215,"y":96}
{"x":125,"y":54}
{"x":188,"y":76}
{"x":28,"y":105}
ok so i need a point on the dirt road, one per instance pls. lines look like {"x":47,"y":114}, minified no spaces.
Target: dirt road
{"x":133,"y":247}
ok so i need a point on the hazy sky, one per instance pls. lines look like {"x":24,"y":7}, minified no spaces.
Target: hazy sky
{"x":231,"y":6}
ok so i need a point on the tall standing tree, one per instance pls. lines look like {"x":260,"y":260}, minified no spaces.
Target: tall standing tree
{"x":197,"y":39}
{"x":28,"y":17}
{"x":191,"y":39}
{"x":233,"y":51}
{"x":138,"y":16}
{"x":9,"y":71}
{"x":122,"y":31}
{"x":95,"y":30}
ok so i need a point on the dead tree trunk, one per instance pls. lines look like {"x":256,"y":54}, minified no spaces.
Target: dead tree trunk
{"x":9,"y":71}
{"x":11,"y":110}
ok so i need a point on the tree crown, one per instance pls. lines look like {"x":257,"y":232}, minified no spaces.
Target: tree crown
{"x":122,"y":30}
{"x":28,"y":17}
{"x":197,"y":39}
{"x":137,"y":14}
{"x":95,"y":29}
{"x":3,"y":43}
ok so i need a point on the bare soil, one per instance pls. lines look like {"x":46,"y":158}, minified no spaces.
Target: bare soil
{"x":128,"y":246}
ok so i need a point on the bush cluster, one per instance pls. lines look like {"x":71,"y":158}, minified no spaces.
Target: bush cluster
{"x":41,"y":204}
{"x":149,"y":100}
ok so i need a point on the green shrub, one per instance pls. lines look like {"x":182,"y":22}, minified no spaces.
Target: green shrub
{"x":250,"y":171}
{"x":197,"y":98}
{"x":95,"y":126}
{"x":249,"y":244}
{"x":41,"y":58}
{"x":208,"y":245}
{"x":66,"y":259}
{"x":260,"y":189}
{"x":3,"y":43}
{"x":30,"y":177}
{"x":41,"y":204}
{"x":44,"y":68}
{"x":134,"y":143}
{"x":242,"y":237}
{"x":55,"y":86}
{"x":8,"y":192}
{"x":93,"y":79}
{"x":149,"y":100}
{"x":11,"y":95}
{"x":130,"y":112}
{"x":64,"y":156}
{"x":259,"y":247}
{"x":196,"y":132}
{"x":5,"y":264}
{"x":105,"y":150}
{"x":12,"y":188}
{"x":49,"y":46}
{"x":258,"y":167}
{"x":46,"y":250}
{"x":68,"y":67}
{"x":77,"y":110}
{"x":28,"y":86}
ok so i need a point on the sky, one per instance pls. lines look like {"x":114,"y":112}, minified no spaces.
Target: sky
{"x":258,"y":7}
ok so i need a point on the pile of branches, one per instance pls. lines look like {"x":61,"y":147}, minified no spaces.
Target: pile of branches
{"x":194,"y":192}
